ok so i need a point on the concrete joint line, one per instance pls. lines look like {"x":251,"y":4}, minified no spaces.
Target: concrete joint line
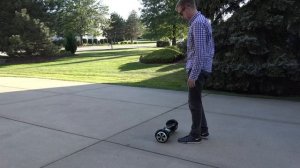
{"x":255,"y":118}
{"x":99,"y":141}
{"x":48,"y":164}
{"x":44,"y":91}
{"x":73,"y":93}
{"x":124,"y":101}
{"x":145,"y":121}
{"x":170,"y":156}
{"x":52,"y":129}
{"x":29,"y":100}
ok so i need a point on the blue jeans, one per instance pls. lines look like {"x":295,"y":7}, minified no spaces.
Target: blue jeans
{"x":199,"y":123}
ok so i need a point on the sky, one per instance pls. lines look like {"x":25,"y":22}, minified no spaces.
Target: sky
{"x":123,"y":7}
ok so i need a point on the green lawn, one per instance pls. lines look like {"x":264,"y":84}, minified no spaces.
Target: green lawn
{"x":120,"y":67}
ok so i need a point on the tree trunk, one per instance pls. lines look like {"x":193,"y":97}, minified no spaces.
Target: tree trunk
{"x":174,"y":35}
{"x":81,"y":42}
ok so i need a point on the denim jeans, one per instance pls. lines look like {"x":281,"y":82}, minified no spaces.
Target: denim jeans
{"x":199,"y":123}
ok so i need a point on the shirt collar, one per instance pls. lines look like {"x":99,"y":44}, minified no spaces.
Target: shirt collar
{"x":194,"y":17}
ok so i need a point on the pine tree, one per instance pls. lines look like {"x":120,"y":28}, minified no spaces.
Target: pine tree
{"x":133,"y":26}
{"x":31,"y":37}
{"x":257,"y":49}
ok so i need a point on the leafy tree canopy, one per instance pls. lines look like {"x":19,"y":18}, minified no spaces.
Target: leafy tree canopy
{"x":116,"y":28}
{"x":81,"y":17}
{"x":161,"y":19}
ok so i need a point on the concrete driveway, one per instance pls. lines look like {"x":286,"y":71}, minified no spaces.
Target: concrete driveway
{"x":60,"y":124}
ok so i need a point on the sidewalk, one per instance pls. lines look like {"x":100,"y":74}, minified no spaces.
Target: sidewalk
{"x":61,"y":124}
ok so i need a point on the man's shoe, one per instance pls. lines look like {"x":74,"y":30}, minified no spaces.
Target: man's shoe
{"x":189,"y":139}
{"x":204,"y":134}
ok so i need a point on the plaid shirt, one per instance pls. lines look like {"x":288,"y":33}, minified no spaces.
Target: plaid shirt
{"x":200,"y":46}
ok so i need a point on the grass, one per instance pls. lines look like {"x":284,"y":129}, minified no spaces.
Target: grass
{"x":119,"y":66}
{"x":166,"y":55}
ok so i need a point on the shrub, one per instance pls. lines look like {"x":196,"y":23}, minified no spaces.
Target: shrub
{"x":162,"y":43}
{"x":271,"y":79}
{"x":165,"y":55}
{"x":71,"y":43}
{"x":95,"y":41}
{"x":174,"y":48}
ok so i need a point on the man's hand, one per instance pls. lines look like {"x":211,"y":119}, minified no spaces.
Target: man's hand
{"x":191,"y":83}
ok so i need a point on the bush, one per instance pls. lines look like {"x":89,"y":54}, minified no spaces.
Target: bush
{"x":174,"y":48}
{"x":271,"y":79}
{"x":95,"y":41}
{"x":162,"y":43}
{"x":71,"y":43}
{"x":166,"y":55}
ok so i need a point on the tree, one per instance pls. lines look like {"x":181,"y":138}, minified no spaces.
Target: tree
{"x":216,"y":9}
{"x":24,"y":28}
{"x":133,"y":26}
{"x":82,"y":17}
{"x":161,"y":19}
{"x":257,"y":49}
{"x":116,"y":28}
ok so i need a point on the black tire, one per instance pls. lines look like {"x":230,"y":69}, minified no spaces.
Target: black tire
{"x":161,"y":136}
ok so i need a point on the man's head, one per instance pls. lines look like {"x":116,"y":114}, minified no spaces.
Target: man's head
{"x":186,"y":8}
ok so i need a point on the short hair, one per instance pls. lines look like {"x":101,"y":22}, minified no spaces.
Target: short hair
{"x":188,"y":3}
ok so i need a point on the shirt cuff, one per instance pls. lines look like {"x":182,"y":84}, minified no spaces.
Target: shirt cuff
{"x":193,"y":76}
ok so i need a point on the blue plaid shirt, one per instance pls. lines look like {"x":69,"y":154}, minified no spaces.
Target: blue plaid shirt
{"x":200,"y":46}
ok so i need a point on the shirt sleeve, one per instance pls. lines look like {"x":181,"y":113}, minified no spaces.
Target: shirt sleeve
{"x":199,"y":33}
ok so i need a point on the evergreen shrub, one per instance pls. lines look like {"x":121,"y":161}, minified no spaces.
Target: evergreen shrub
{"x":70,"y":43}
{"x":257,"y":49}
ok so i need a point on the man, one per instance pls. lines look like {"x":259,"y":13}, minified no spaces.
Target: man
{"x":200,"y":51}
